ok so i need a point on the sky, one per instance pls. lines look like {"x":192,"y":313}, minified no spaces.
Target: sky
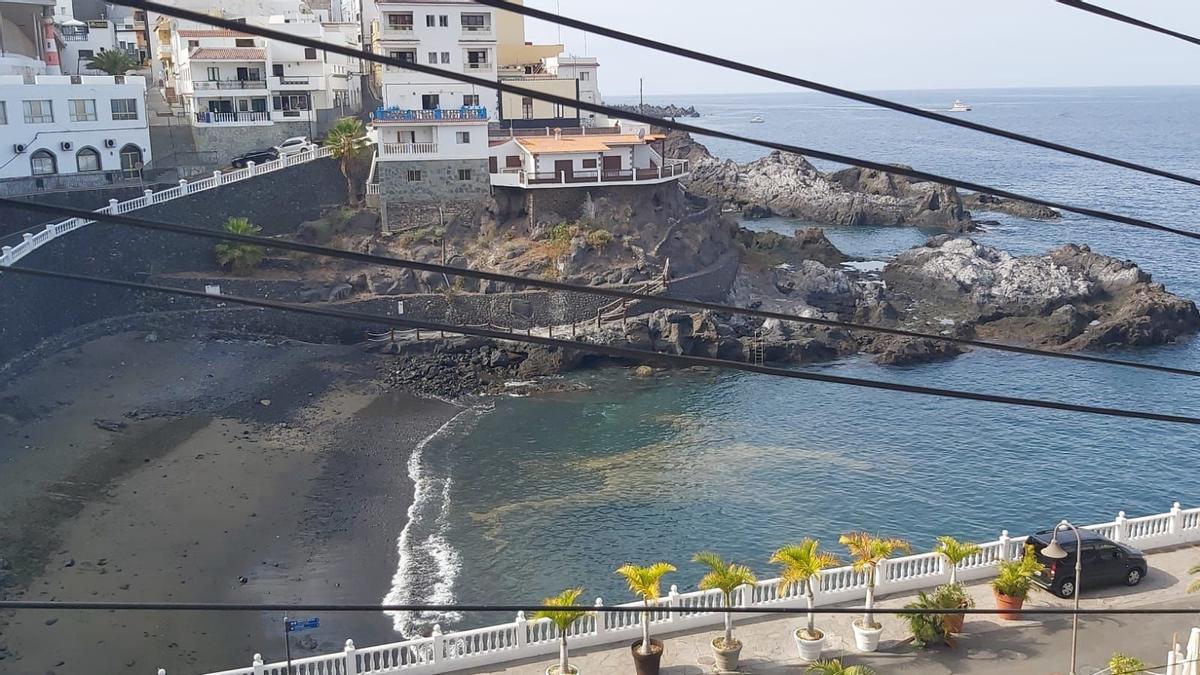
{"x":881,"y":44}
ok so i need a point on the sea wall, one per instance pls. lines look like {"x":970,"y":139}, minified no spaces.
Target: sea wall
{"x":34,"y":309}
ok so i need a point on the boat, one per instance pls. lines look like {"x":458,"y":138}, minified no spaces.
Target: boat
{"x":757,"y":119}
{"x":959,"y":106}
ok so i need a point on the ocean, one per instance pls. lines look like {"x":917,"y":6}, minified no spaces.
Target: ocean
{"x":529,"y":496}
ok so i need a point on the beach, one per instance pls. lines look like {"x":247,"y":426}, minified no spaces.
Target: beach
{"x":229,"y":471}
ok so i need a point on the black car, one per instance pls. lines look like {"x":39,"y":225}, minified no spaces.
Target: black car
{"x":1105,"y":563}
{"x":256,"y":156}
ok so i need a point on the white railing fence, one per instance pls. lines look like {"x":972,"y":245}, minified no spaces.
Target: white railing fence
{"x":11,"y":254}
{"x":522,"y":639}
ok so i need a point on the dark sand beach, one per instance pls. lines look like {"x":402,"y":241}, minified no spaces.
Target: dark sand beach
{"x":276,"y":462}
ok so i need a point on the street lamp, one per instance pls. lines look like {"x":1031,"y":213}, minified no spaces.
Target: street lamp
{"x":1055,"y":551}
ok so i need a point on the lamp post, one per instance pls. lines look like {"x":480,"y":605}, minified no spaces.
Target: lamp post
{"x":1055,"y":551}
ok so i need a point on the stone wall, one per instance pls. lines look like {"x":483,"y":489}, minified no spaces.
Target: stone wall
{"x":566,"y":203}
{"x":222,"y":144}
{"x":408,"y":203}
{"x":34,"y":309}
{"x":72,"y":182}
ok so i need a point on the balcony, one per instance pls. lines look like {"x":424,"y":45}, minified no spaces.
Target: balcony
{"x":477,"y":33}
{"x":232,"y":118}
{"x":406,"y":150}
{"x":398,"y":33}
{"x":479,"y":67}
{"x":674,"y":169}
{"x":398,"y":115}
{"x":201,"y":86}
{"x":296,"y":82}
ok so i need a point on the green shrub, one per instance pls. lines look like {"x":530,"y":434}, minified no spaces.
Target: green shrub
{"x":599,"y":238}
{"x":1016,"y":576}
{"x":1123,"y":664}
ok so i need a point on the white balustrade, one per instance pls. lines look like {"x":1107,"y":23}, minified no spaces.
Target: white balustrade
{"x":11,"y":254}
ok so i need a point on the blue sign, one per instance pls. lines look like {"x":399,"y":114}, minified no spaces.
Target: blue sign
{"x":294,"y":625}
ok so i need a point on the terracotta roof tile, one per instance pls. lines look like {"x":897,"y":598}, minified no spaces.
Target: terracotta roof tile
{"x":211,"y":32}
{"x":228,"y":54}
{"x":582,"y":143}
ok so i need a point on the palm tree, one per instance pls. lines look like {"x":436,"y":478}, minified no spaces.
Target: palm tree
{"x":562,"y":620}
{"x":238,"y":256}
{"x":346,"y":140}
{"x":1195,"y":585}
{"x":835,"y":667}
{"x":868,"y":551}
{"x":955,"y":551}
{"x":644,"y":582}
{"x":802,"y":563}
{"x":726,"y":577}
{"x":113,"y":62}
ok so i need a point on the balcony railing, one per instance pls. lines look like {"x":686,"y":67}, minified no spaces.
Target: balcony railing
{"x":232,"y":117}
{"x":229,"y":84}
{"x":406,"y":149}
{"x":520,"y":178}
{"x":479,"y":66}
{"x":472,"y":113}
{"x":397,"y":32}
{"x":477,"y":32}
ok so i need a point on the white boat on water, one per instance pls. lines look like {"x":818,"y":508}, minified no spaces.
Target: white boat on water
{"x":757,"y":119}
{"x":959,"y":106}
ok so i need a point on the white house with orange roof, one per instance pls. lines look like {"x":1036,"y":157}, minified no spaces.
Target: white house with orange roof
{"x":619,"y":155}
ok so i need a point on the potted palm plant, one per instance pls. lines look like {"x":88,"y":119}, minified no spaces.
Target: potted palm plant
{"x":955,"y":551}
{"x":644,"y":583}
{"x":802,"y":564}
{"x":835,"y":667}
{"x":562,"y":619}
{"x":726,"y":577}
{"x":1012,"y":583}
{"x":867,"y":552}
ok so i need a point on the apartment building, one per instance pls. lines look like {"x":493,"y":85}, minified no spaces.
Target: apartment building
{"x":431,"y":132}
{"x":62,"y":132}
{"x":238,"y":92}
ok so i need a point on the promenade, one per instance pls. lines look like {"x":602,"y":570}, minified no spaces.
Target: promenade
{"x":988,"y":646}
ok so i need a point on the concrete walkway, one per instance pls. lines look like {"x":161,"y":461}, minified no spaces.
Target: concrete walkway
{"x":987,"y":645}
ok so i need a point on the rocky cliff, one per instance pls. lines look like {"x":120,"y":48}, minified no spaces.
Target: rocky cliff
{"x":663,"y":111}
{"x":788,"y":185}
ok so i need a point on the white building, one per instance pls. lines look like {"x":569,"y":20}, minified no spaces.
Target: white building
{"x":431,"y":132}
{"x":63,"y":132}
{"x":618,"y":156}
{"x":81,"y":40}
{"x":586,"y":71}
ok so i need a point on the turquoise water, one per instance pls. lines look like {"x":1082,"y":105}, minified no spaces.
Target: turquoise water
{"x":545,"y":493}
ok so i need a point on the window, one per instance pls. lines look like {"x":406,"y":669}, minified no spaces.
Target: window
{"x":464,"y":174}
{"x":41,"y":163}
{"x":86,"y":54}
{"x":277,"y":69}
{"x":87,"y":159}
{"x":512,"y":161}
{"x":310,"y":53}
{"x":445,"y":57}
{"x":214,"y":73}
{"x":131,"y":160}
{"x":407,"y":56}
{"x":477,"y":56}
{"x":290,"y":102}
{"x":585,"y":76}
{"x":82,"y":109}
{"x":444,"y":21}
{"x":192,"y":44}
{"x":430,"y":20}
{"x":124,"y":109}
{"x":474,"y":21}
{"x":38,"y":112}
{"x":589,"y":163}
{"x":462,"y":137}
{"x":470,"y":99}
{"x":3,"y":112}
{"x":414,"y":176}
{"x":243,"y":42}
{"x":430,"y":101}
{"x":527,"y":107}
{"x":433,"y":58}
{"x":252,"y":74}
{"x":400,"y":21}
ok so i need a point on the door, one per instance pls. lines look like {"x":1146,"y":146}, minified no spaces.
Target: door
{"x":612,"y":165}
{"x":564,"y":167}
{"x":493,"y":164}
{"x":277,"y":69}
{"x":1109,"y":562}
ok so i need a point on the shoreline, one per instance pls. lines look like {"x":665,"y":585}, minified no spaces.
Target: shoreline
{"x":245,"y":471}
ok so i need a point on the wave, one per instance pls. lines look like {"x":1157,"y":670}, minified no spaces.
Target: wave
{"x":428,"y":564}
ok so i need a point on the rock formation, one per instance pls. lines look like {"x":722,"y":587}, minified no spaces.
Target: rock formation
{"x":985,"y":202}
{"x":663,"y":111}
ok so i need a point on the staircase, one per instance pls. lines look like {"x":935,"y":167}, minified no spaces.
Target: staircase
{"x":618,"y":310}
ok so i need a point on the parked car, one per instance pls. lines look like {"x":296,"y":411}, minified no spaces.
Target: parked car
{"x":1104,"y":563}
{"x":256,"y":156}
{"x":294,"y":145}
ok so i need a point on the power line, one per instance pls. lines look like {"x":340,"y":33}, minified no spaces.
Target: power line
{"x":109,"y":606}
{"x":1123,"y":18}
{"x":827,"y":88}
{"x":622,"y":352}
{"x":573,"y":288}
{"x":646,"y":119}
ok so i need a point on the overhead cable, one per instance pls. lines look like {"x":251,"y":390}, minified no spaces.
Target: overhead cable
{"x":1124,"y":18}
{"x":620,"y":352}
{"x":508,"y":87}
{"x":828,"y":89}
{"x":574,"y":288}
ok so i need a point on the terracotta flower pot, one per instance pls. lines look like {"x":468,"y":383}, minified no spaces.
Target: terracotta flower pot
{"x":647,"y":664}
{"x":1009,"y":606}
{"x":953,"y":623}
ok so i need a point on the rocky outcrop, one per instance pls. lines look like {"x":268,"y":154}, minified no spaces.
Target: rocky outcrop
{"x":788,"y":185}
{"x":808,"y":243}
{"x":663,"y":111}
{"x":1070,"y":298}
{"x":985,"y":202}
